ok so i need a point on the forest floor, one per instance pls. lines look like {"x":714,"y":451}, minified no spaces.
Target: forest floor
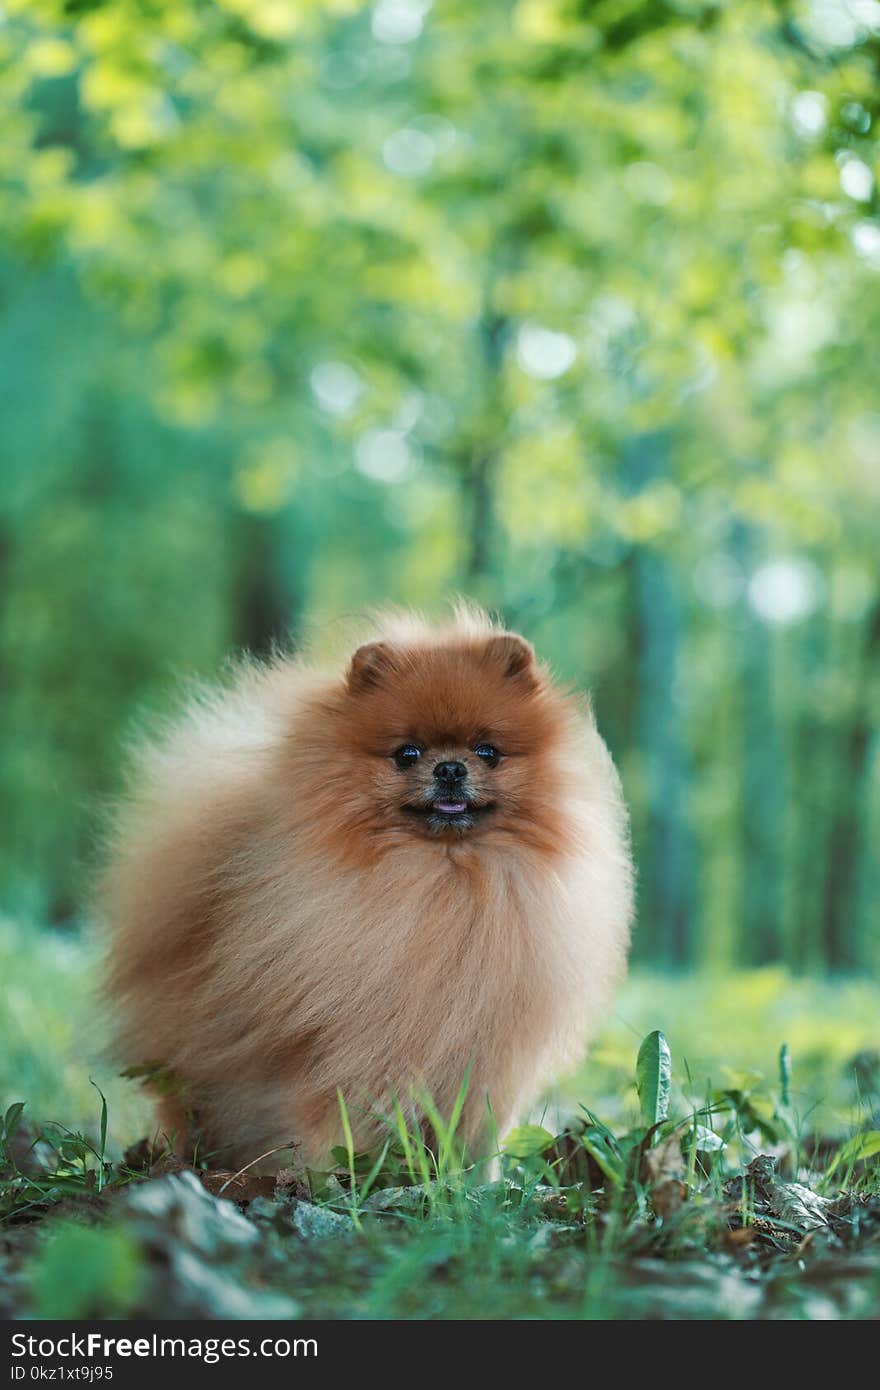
{"x":738,"y":1177}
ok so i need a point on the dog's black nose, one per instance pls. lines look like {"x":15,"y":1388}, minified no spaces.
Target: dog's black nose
{"x":450,"y":772}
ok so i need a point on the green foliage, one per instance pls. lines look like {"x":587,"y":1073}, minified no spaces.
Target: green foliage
{"x":654,"y":1078}
{"x":81,"y":1271}
{"x":564,"y":309}
{"x":785,"y":1073}
{"x":41,"y":1166}
{"x":859,"y":1149}
{"x":527,"y":1141}
{"x":53,"y":1038}
{"x":9,"y":1125}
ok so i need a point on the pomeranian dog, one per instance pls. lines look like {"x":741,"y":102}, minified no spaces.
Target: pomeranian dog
{"x":377,"y":883}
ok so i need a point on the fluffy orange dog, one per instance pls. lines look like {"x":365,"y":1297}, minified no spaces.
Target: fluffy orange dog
{"x":370,"y":881}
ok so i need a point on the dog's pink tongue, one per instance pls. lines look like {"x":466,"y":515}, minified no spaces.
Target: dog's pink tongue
{"x":450,"y":808}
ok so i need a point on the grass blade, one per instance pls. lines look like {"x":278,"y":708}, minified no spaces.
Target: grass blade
{"x":349,"y":1149}
{"x":857,"y":1150}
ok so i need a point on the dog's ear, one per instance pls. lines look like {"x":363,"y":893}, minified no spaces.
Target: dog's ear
{"x":371,"y":666}
{"x":515,"y":656}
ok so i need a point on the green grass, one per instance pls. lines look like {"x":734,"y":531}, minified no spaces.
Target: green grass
{"x":615,"y":1218}
{"x":725,"y":1028}
{"x":52,"y":1038}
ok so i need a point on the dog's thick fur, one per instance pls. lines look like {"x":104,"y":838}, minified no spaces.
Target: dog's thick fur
{"x":283,"y":925}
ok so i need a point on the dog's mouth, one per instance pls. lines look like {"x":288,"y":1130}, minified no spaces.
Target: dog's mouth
{"x":443,"y":811}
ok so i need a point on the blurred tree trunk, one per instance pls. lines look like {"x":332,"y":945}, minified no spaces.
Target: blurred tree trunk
{"x":269,"y":596}
{"x":482,"y":461}
{"x":667,"y":867}
{"x":762,"y":801}
{"x":5,"y":558}
{"x":845,"y":844}
{"x":808,"y":802}
{"x":479,"y":484}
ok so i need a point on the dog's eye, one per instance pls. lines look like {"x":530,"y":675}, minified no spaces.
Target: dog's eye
{"x":407,"y":755}
{"x":488,"y":753}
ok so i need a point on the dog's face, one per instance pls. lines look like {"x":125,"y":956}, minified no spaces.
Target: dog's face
{"x":451,"y":741}
{"x":448,"y":786}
